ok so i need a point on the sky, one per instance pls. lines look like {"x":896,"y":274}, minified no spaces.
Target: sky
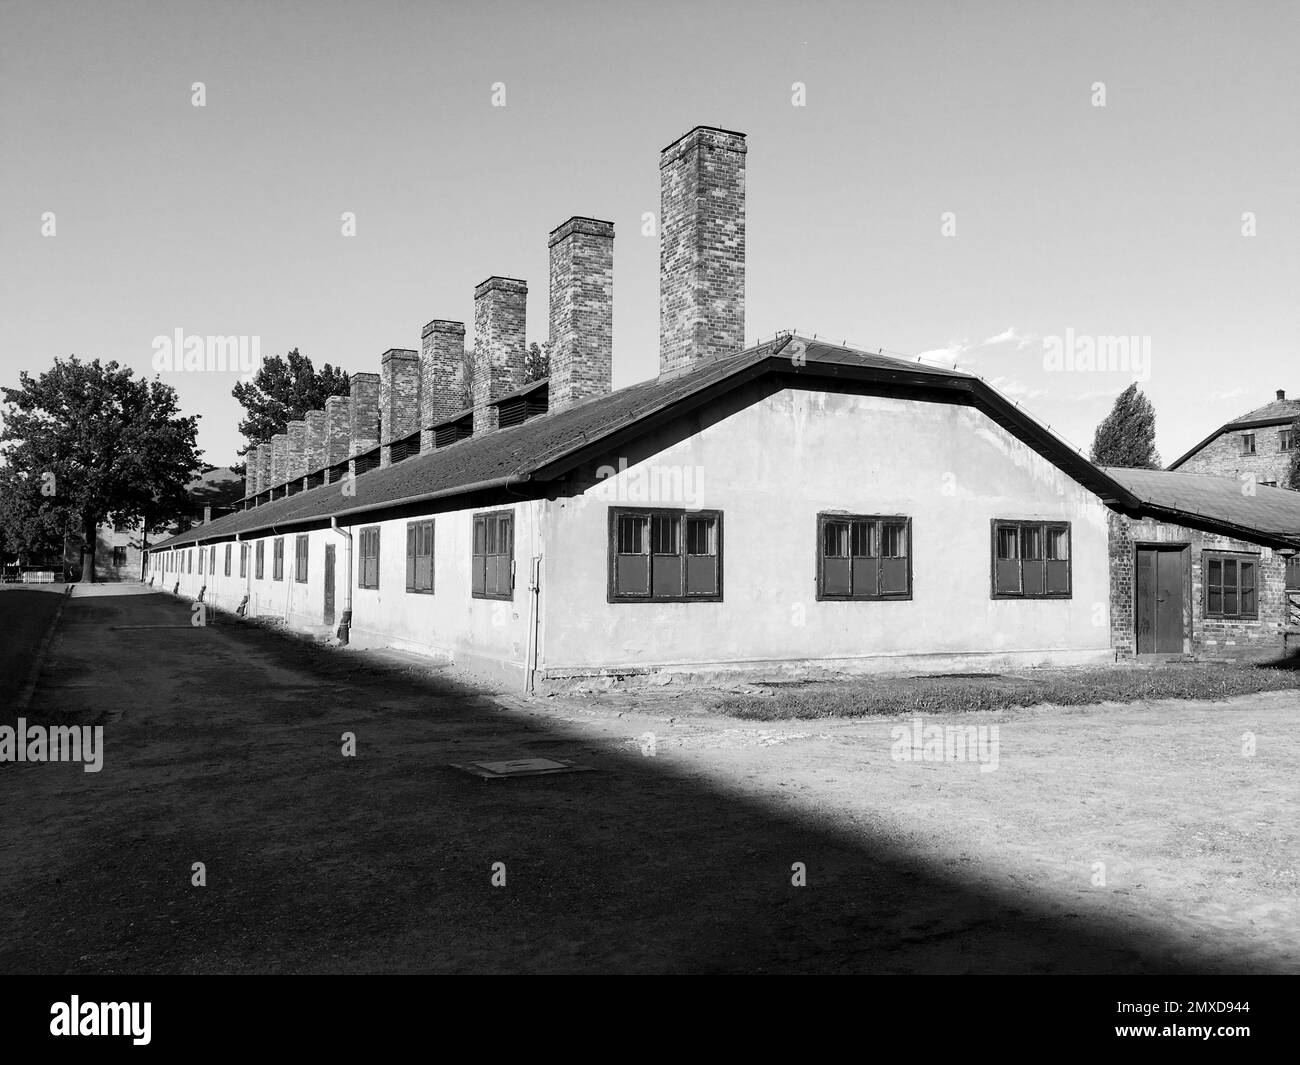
{"x":997,"y":186}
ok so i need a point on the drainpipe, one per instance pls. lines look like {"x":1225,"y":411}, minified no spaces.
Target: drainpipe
{"x":248,"y":578}
{"x":534,"y":588}
{"x":345,"y":622}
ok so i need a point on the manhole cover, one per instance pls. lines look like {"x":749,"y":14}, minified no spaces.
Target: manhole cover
{"x":520,"y":767}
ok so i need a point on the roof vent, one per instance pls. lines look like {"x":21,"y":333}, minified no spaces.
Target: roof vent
{"x":1281,"y":394}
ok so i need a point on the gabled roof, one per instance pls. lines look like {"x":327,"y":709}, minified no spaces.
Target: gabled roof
{"x":544,"y":448}
{"x":1233,"y":506}
{"x":1279,"y":412}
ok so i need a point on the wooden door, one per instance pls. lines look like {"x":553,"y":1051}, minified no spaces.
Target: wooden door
{"x":1160,"y":614}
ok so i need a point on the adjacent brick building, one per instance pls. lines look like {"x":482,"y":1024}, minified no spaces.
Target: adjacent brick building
{"x":1257,"y":446}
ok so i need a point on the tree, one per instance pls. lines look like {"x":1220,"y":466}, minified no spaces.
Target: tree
{"x":87,"y":442}
{"x":1127,"y":436}
{"x":285,"y":389}
{"x":1293,"y":473}
{"x":537,"y":363}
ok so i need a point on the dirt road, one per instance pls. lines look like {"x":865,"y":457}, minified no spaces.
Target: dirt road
{"x":223,"y":746}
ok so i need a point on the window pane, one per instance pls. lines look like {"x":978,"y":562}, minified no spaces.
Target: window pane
{"x":1031,"y":541}
{"x":1229,"y":573}
{"x":479,"y":536}
{"x":1009,"y":543}
{"x":478,"y":582}
{"x":1007,"y":576}
{"x":1058,"y":543}
{"x":663,"y":535}
{"x":835,"y":576}
{"x":866,"y":576}
{"x":702,"y":574}
{"x":1214,"y":600}
{"x":1033,"y":576}
{"x":491,"y":534}
{"x":893,"y":541}
{"x":893,"y":576}
{"x":835,"y":539}
{"x":632,"y":539}
{"x":666,"y":575}
{"x":700,"y":539}
{"x":632,"y":574}
{"x":1058,"y":576}
{"x":865,"y":539}
{"x":1214,"y":579}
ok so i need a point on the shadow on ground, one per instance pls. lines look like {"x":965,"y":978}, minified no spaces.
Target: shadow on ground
{"x":223,"y":747}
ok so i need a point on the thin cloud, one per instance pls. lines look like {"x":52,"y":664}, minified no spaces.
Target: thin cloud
{"x":1010,"y":335}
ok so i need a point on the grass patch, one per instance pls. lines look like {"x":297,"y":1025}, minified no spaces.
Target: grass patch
{"x":886,"y":696}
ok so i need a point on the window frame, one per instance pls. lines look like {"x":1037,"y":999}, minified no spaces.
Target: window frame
{"x":681,"y":516}
{"x":1286,"y":440}
{"x":259,"y":561}
{"x":243,"y":561}
{"x":1044,"y":527}
{"x":1237,"y":558}
{"x":277,"y":559}
{"x":301,"y":547}
{"x":483,"y":517}
{"x":414,"y":529}
{"x":1249,"y":443}
{"x":227,"y":572}
{"x":878,"y":523}
{"x":365,"y":537}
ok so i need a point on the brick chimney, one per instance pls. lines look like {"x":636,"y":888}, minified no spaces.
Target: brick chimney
{"x":295,"y":456}
{"x":582,"y":310}
{"x":264,"y":467}
{"x":442,"y":375}
{"x":279,"y":459}
{"x":499,"y":345}
{"x":363,"y":408}
{"x":315,"y":446}
{"x":701,"y":247}
{"x":252,"y":472}
{"x":1281,"y":394}
{"x":338,"y":429}
{"x":399,"y":398}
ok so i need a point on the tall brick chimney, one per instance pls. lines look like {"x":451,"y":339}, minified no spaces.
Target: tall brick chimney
{"x":582,"y":310}
{"x":314,"y":448}
{"x":363,"y":408}
{"x":295,"y":454}
{"x":442,"y":375}
{"x":499,"y":344}
{"x":338,"y":430}
{"x":264,"y":466}
{"x":399,"y":398}
{"x":279,"y":459}
{"x":1281,"y":394}
{"x":701,"y":247}
{"x":252,"y":472}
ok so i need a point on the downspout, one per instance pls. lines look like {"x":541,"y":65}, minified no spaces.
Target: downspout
{"x":248,"y":578}
{"x":345,"y":622}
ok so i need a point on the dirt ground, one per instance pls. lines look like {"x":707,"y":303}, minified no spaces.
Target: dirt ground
{"x":675,"y":855}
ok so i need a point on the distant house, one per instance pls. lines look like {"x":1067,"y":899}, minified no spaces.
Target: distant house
{"x":1258,"y":445}
{"x":120,"y":549}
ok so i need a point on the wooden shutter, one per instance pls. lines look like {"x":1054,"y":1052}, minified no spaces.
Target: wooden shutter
{"x":478,"y":579}
{"x":412,"y":531}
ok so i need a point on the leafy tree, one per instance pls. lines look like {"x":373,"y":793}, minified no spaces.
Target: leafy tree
{"x":88,"y":442}
{"x":284,"y":390}
{"x":1293,"y":474}
{"x":537,"y":363}
{"x":1127,"y":436}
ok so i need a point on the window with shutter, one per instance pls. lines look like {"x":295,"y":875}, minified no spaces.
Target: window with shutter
{"x":419,"y":557}
{"x":493,"y":556}
{"x":864,"y":557}
{"x":1031,"y":560}
{"x":664,"y":556}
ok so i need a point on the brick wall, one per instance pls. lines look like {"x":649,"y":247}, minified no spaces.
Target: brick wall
{"x":1210,"y":637}
{"x":1223,"y":456}
{"x":701,"y":247}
